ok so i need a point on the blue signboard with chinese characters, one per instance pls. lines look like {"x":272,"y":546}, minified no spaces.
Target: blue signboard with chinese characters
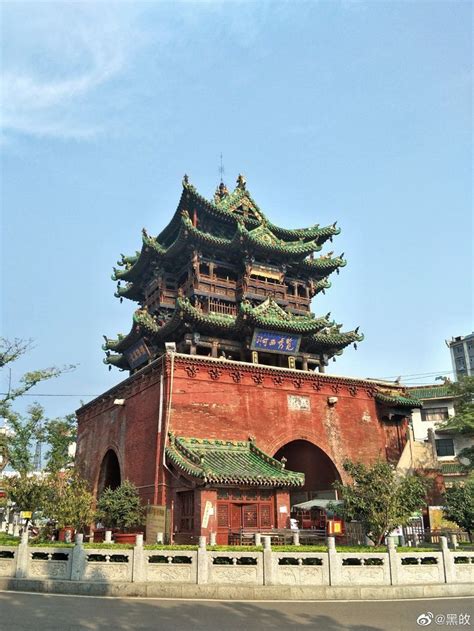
{"x":137,"y":354}
{"x":273,"y":342}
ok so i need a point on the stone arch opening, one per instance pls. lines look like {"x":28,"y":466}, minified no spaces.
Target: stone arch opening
{"x":109,"y":475}
{"x":320,"y":471}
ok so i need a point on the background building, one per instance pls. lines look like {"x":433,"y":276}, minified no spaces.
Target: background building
{"x":443,"y":446}
{"x":462,"y":355}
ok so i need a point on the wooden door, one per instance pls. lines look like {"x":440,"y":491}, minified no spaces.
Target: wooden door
{"x":235,"y":517}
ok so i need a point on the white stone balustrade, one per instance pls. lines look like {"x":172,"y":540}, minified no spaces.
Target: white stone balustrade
{"x":261,"y":567}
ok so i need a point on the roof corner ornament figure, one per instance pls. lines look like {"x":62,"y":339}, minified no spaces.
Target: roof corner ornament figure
{"x":241,"y":182}
{"x":185,"y":179}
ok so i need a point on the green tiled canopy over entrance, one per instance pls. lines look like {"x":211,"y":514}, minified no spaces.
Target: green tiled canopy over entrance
{"x":398,"y":401}
{"x":229,"y":462}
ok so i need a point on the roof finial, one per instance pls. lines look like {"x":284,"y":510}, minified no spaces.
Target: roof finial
{"x":221,"y":170}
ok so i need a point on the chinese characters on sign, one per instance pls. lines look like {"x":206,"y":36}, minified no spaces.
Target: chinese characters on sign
{"x":298,"y":403}
{"x":272,"y":342}
{"x":137,"y":354}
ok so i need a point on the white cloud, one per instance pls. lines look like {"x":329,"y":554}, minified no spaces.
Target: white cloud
{"x":55,"y":60}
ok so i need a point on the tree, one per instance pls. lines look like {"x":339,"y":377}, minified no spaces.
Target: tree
{"x":459,"y":505}
{"x":28,"y":493}
{"x":59,"y":434}
{"x":16,"y":444}
{"x":120,"y":507}
{"x":69,"y":501}
{"x":380,"y":499}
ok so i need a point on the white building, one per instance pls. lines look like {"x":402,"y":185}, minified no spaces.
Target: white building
{"x":427,"y":422}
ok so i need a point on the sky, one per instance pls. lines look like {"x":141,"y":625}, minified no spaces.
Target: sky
{"x":345,"y":110}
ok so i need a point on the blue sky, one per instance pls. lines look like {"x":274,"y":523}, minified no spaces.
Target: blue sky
{"x":352,"y":111}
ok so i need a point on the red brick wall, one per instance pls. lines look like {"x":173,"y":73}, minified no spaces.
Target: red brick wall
{"x":211,"y":404}
{"x":226,"y":400}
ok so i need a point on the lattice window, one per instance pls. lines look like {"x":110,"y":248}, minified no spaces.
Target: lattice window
{"x":223,"y":515}
{"x":265,"y":515}
{"x":250,"y":516}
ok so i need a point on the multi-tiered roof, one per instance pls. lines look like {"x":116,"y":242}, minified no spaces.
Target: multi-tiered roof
{"x":219,"y":273}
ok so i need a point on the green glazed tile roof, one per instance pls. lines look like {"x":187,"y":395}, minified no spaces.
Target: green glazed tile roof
{"x":331,"y":340}
{"x":252,"y":229}
{"x":398,"y":401}
{"x":229,"y":462}
{"x":319,"y":334}
{"x":270,"y":315}
{"x":429,"y":392}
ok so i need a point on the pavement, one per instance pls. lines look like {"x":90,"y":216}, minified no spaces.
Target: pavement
{"x":47,"y":612}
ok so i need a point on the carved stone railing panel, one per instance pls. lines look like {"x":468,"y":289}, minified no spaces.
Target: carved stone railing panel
{"x":108,"y":565}
{"x":7,"y":561}
{"x":463,"y":567}
{"x":170,"y":566}
{"x":235,"y":567}
{"x":364,"y":568}
{"x":420,"y":568}
{"x":308,"y":568}
{"x":53,"y":563}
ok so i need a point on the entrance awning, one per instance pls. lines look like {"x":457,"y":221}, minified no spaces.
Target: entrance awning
{"x":316,"y":504}
{"x":229,"y":462}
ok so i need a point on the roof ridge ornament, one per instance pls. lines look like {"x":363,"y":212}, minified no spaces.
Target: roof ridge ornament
{"x":221,"y":192}
{"x":241,"y":182}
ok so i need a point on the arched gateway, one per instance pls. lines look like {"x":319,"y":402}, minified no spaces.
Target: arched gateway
{"x":319,"y":470}
{"x":109,"y":475}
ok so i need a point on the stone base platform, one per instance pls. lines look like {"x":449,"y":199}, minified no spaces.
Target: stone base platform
{"x":235,"y":592}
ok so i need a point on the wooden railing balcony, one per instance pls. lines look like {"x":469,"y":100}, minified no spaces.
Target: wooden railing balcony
{"x":211,"y":285}
{"x":298,"y":302}
{"x":262,"y":288}
{"x":217,"y":307}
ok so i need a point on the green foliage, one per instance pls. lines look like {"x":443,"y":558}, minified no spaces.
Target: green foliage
{"x":459,"y":505}
{"x":27,"y":492}
{"x":121,"y":507}
{"x":17,"y":445}
{"x":25,"y":431}
{"x":378,"y":498}
{"x":463,"y":420}
{"x":8,"y":540}
{"x":59,"y":434}
{"x":69,"y":502}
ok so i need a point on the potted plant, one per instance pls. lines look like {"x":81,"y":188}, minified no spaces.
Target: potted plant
{"x":69,"y":503}
{"x":120,"y":509}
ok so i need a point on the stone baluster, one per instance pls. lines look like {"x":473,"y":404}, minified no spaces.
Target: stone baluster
{"x":393,"y":560}
{"x":268,"y":578}
{"x":448,"y":561}
{"x":335,"y":563}
{"x":138,"y":561}
{"x":22,"y":556}
{"x":202,"y":561}
{"x":78,"y":564}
